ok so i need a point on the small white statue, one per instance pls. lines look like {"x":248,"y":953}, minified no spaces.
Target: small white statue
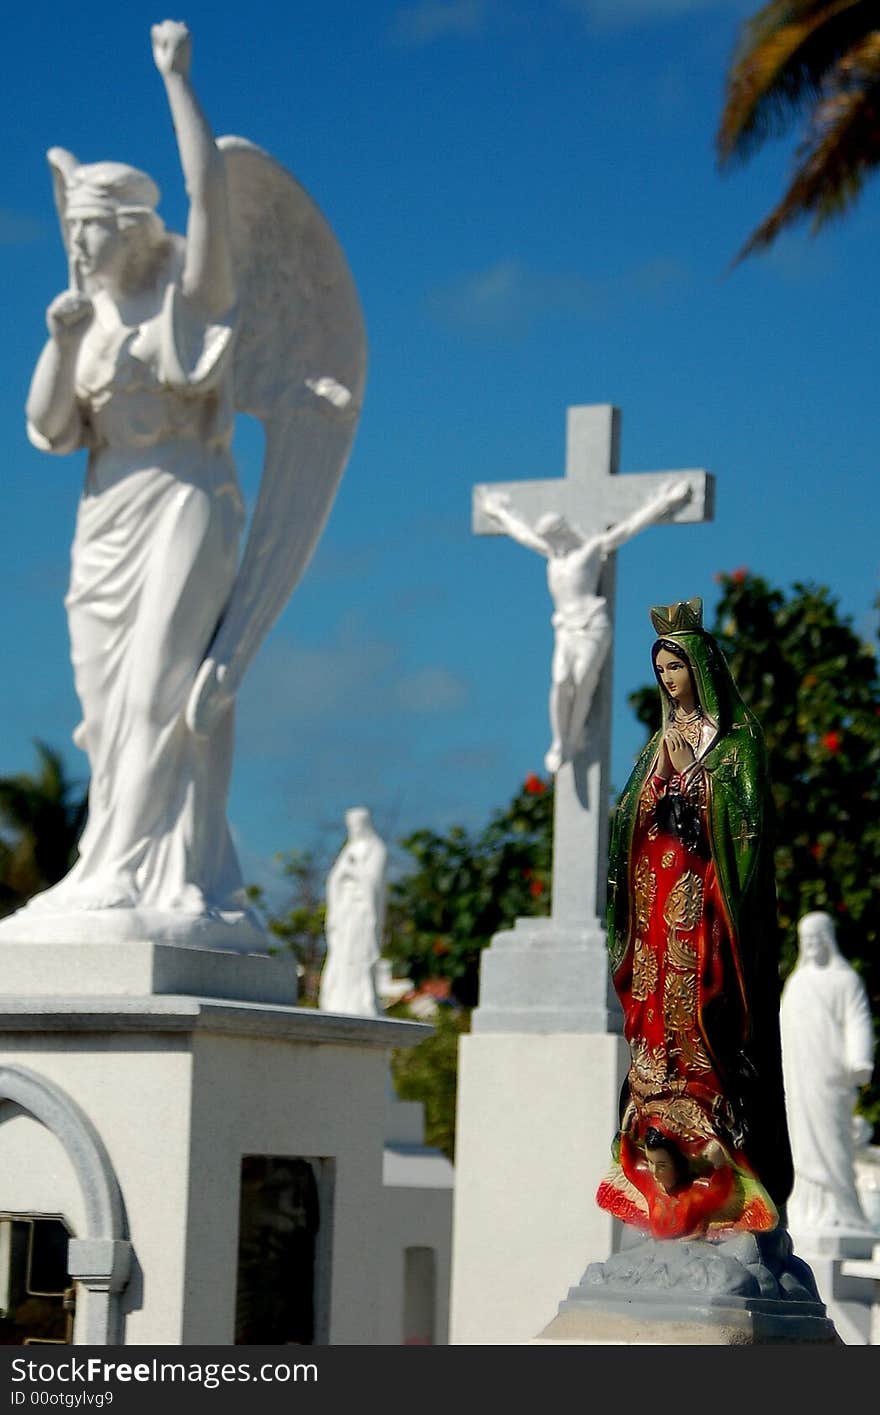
{"x":580,"y":614}
{"x":154,"y":346}
{"x":355,"y":920}
{"x":827,"y":1053}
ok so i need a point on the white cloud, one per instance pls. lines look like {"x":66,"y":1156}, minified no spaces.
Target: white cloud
{"x":614,"y":14}
{"x":509,"y":298}
{"x":473,"y":759}
{"x":431,"y":690}
{"x":430,"y":20}
{"x":295,"y":694}
{"x":292,"y":684}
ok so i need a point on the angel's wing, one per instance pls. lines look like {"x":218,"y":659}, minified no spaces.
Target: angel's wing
{"x":299,"y":366}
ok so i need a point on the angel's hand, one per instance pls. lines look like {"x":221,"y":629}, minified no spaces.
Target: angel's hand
{"x":208,"y":701}
{"x":172,"y":47}
{"x":69,"y":316}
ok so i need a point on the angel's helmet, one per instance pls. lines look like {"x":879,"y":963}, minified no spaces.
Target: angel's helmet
{"x":109,"y":189}
{"x":102,"y":191}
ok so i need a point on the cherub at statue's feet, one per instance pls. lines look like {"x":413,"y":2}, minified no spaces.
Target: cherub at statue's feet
{"x":553,"y":759}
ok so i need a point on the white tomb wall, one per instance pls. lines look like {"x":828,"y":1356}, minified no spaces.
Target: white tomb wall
{"x":36,"y":1174}
{"x":135,"y":1089}
{"x":264,"y":1097}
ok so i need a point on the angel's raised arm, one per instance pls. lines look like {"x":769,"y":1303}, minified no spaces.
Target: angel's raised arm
{"x":208,"y":279}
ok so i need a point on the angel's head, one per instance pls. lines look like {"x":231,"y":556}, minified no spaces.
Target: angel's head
{"x":111,"y":229}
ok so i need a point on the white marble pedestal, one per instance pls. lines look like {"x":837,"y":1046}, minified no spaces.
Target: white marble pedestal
{"x":847,"y":1271}
{"x":536,"y":1115}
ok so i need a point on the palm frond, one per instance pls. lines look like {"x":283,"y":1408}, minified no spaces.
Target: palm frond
{"x":42,"y":815}
{"x":51,"y":777}
{"x":776,"y":14}
{"x":18,"y":803}
{"x":842,"y":149}
{"x":861,"y":64}
{"x":782,"y":66}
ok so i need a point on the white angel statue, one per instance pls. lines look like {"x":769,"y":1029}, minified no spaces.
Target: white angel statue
{"x":154,"y":346}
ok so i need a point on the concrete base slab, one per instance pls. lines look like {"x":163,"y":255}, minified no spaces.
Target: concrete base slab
{"x":144,"y":969}
{"x":543,"y":976}
{"x":236,"y":930}
{"x":746,"y":1290}
{"x":589,"y":1326}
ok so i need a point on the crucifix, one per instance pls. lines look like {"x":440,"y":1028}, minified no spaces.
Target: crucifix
{"x":578,"y":521}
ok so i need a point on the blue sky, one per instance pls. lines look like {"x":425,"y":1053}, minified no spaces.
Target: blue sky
{"x":527,"y":195}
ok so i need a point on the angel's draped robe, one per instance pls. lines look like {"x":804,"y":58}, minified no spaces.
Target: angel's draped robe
{"x":153,"y":560}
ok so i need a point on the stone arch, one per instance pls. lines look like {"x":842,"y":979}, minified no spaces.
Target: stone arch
{"x":101,"y":1259}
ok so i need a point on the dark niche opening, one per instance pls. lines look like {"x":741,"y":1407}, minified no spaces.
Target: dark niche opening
{"x":281,"y":1258}
{"x":36,"y":1290}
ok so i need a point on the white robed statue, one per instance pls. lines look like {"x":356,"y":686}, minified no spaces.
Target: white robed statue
{"x":827,"y":1054}
{"x":156,"y":343}
{"x":355,"y":903}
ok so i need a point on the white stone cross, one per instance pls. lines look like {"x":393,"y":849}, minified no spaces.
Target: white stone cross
{"x":594,"y":497}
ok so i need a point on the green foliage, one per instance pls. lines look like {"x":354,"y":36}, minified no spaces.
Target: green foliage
{"x":815,"y":688}
{"x":41,"y":819}
{"x":428,"y":1073}
{"x":300,"y":929}
{"x":464,"y":887}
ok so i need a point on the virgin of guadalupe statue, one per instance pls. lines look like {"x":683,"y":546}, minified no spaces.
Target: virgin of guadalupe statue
{"x":355,"y":919}
{"x":154,"y":346}
{"x":702,"y":1148}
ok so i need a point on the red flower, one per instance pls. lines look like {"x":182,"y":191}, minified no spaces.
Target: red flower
{"x":831,"y":741}
{"x":817,"y":851}
{"x":440,"y":947}
{"x":841,"y":907}
{"x":536,"y":888}
{"x":436,"y":987}
{"x":533,"y":785}
{"x":740,"y":574}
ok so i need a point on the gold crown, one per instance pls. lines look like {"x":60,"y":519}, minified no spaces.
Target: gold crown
{"x":675,"y":618}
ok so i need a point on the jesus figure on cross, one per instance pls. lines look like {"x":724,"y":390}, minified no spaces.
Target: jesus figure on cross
{"x":581,"y":622}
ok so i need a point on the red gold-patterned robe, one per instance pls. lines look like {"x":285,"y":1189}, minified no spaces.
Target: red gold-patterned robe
{"x":679,"y":971}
